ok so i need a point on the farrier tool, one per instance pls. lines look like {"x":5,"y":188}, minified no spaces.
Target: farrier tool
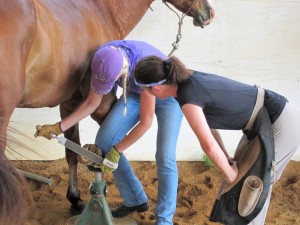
{"x":79,"y":150}
{"x":97,"y":210}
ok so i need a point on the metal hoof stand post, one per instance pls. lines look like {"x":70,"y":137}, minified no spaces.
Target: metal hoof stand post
{"x":97,"y":211}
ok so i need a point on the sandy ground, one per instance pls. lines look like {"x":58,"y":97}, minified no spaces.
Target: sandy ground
{"x":198,"y":185}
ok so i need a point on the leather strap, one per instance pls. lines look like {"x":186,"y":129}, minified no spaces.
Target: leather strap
{"x":258,"y":104}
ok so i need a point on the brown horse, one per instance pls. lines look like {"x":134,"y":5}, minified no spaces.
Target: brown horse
{"x":45,"y":52}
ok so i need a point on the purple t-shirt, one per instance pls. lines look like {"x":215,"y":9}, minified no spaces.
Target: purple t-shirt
{"x":134,"y":51}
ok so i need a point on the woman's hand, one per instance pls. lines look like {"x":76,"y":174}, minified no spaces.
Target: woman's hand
{"x":230,"y":160}
{"x":48,"y":130}
{"x":231,"y":176}
{"x":111,"y":160}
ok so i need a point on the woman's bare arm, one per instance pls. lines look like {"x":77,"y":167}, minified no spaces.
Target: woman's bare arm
{"x":210,"y":146}
{"x":147,"y":109}
{"x":89,"y":105}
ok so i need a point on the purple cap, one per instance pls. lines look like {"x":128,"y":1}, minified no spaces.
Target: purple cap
{"x":106,"y":66}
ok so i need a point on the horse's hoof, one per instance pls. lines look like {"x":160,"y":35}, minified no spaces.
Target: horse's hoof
{"x":77,"y":209}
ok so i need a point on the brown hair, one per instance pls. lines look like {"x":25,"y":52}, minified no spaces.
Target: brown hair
{"x":153,"y":69}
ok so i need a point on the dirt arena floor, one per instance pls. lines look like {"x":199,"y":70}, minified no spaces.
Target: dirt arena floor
{"x":197,"y":189}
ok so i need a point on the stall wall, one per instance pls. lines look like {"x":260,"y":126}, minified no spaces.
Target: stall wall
{"x":256,"y":42}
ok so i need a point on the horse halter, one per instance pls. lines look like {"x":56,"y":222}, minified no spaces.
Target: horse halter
{"x":180,"y":23}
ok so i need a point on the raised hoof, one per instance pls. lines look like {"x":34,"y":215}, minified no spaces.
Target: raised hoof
{"x":77,"y":209}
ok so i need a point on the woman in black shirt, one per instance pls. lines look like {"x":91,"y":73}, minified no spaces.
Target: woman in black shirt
{"x":210,"y":101}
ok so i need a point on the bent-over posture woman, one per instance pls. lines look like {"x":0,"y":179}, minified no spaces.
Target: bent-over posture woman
{"x":212,"y":101}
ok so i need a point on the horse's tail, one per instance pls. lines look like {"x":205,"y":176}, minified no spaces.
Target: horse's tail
{"x":12,"y":203}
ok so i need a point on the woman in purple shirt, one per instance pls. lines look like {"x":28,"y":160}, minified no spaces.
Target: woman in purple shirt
{"x":129,"y":119}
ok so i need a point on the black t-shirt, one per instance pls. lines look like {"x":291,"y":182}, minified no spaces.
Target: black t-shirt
{"x":227,"y":104}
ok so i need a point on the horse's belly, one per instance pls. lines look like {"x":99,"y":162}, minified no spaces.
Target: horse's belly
{"x":48,"y":92}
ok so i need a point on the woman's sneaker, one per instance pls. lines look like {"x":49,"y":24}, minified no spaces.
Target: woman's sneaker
{"x":123,"y":211}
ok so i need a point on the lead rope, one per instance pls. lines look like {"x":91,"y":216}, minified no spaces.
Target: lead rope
{"x":180,"y":23}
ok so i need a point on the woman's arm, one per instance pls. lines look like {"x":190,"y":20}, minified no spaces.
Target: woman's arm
{"x":210,"y":146}
{"x":89,"y":105}
{"x":219,"y":139}
{"x":147,"y":109}
{"x":92,"y":101}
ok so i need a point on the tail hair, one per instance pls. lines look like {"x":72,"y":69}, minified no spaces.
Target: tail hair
{"x":12,"y":203}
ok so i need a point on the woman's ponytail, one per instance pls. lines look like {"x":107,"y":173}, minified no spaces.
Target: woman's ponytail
{"x":177,"y":71}
{"x":168,"y":69}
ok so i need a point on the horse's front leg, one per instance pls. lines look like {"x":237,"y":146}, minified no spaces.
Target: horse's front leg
{"x":73,"y":193}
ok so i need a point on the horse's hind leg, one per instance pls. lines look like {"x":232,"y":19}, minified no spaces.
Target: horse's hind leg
{"x":11,"y":196}
{"x":12,"y":79}
{"x":73,"y":193}
{"x":11,"y":183}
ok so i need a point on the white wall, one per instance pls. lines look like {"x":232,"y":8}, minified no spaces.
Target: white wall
{"x":256,"y":42}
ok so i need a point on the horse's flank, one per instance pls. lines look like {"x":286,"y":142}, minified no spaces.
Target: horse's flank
{"x":65,"y":36}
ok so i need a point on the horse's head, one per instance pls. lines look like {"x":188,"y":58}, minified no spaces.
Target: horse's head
{"x":202,"y":11}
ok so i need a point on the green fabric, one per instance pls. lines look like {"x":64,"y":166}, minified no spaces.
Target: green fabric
{"x":111,"y":161}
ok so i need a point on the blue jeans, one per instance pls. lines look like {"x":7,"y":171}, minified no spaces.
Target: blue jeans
{"x":113,"y":130}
